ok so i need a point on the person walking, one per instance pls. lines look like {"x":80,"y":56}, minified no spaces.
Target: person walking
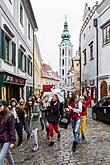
{"x":29,"y":109}
{"x":86,"y":101}
{"x":43,"y":108}
{"x":18,"y":115}
{"x":76,"y":115}
{"x":53,"y":118}
{"x":7,"y":133}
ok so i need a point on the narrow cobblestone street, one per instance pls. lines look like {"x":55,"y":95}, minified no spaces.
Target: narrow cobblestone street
{"x":94,"y":151}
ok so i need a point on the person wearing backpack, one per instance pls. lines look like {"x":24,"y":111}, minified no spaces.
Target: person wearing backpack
{"x":86,"y":101}
{"x":7,"y":133}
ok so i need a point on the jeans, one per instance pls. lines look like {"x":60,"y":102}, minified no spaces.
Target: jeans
{"x":34,"y":137}
{"x":76,"y":123}
{"x":28,"y":125}
{"x":5,"y":153}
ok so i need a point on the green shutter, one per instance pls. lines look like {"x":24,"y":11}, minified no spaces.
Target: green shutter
{"x":13,"y":53}
{"x":2,"y":44}
{"x":28,"y":61}
{"x":31,"y":68}
{"x":19,"y":58}
{"x":25,"y":63}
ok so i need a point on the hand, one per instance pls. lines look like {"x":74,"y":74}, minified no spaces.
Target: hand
{"x":12,"y":145}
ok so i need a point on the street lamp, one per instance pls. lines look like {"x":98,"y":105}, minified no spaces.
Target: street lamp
{"x":95,"y":22}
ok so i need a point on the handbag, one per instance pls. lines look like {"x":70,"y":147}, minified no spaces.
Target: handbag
{"x":64,"y":120}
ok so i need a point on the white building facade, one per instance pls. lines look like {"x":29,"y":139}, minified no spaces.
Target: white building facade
{"x":88,"y":52}
{"x":65,"y":58}
{"x":17,"y":26}
{"x":104,"y":48}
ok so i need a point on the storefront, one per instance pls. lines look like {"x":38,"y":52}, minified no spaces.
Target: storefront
{"x":11,"y":86}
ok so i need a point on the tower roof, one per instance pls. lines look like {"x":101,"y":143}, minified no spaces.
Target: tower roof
{"x":65,"y":35}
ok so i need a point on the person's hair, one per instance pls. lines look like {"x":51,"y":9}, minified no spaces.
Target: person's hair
{"x":56,"y":97}
{"x":72,"y":99}
{"x":21,"y":98}
{"x":13,"y":100}
{"x":26,"y":108}
{"x":4,"y":114}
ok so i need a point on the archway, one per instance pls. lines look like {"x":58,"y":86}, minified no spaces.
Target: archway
{"x":103,"y":89}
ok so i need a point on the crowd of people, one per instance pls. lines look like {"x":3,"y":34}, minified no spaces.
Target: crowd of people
{"x":16,"y":118}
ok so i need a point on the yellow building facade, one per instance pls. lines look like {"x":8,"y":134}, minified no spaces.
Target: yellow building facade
{"x":37,"y":69}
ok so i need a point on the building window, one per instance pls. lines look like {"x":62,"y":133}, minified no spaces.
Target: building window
{"x":84,"y":36}
{"x":106,"y":35}
{"x":29,"y":67}
{"x":29,"y":31}
{"x":62,"y":72}
{"x":21,"y":14}
{"x":21,"y":60}
{"x":7,"y":45}
{"x":63,"y":62}
{"x":85,"y":57}
{"x":91,"y":51}
{"x":77,"y":64}
{"x":63,"y":52}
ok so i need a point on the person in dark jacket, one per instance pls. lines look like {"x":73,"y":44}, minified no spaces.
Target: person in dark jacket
{"x":7,"y":133}
{"x":53,"y":117}
{"x":17,"y":112}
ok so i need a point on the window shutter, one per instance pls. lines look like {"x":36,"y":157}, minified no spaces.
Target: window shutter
{"x":31,"y":69}
{"x":19,"y":59}
{"x":25,"y":63}
{"x":2,"y":44}
{"x":13,"y":53}
{"x":28,"y":61}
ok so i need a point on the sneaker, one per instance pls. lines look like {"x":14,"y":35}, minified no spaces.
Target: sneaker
{"x":83,"y":137}
{"x":51,"y":143}
{"x":35,"y":148}
{"x":59,"y":136}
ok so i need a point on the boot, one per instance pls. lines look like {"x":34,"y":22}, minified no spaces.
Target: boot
{"x":51,"y":143}
{"x":83,"y":137}
{"x":47,"y":129}
{"x":28,"y":135}
{"x":42,"y":125}
{"x":74,"y":146}
{"x":59,"y":136}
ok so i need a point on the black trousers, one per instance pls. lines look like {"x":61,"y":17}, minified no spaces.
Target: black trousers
{"x":19,"y":130}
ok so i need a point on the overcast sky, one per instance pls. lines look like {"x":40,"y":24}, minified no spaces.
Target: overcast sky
{"x":50,"y":16}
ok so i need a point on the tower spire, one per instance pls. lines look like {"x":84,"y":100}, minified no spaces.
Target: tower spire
{"x":65,"y":35}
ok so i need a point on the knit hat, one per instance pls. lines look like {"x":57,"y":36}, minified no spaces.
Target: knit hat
{"x":13,"y":99}
{"x":3,"y":102}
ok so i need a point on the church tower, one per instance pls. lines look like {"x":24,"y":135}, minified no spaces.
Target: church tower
{"x":65,"y":57}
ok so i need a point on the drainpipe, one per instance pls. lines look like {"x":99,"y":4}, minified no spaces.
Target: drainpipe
{"x":33,"y":58}
{"x":97,"y":59}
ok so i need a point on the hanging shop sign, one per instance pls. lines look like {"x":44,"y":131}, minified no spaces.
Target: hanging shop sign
{"x":14,"y":79}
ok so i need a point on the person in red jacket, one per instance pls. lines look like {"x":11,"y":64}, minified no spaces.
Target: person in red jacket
{"x":76,"y":115}
{"x":86,"y":102}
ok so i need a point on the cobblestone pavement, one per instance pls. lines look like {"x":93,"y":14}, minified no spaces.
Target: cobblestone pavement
{"x":94,"y":151}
